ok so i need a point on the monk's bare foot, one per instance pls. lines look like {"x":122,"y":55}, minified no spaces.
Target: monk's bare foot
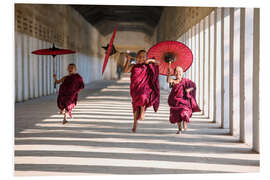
{"x":179,"y":132}
{"x":70,"y":115}
{"x":134,"y":130}
{"x":65,"y":120}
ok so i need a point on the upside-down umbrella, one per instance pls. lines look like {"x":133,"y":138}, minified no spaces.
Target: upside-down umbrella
{"x":171,"y":51}
{"x":53,"y":51}
{"x":110,"y":50}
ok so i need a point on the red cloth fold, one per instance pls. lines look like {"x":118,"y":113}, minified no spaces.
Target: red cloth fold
{"x":68,"y":92}
{"x":182,"y":104}
{"x":144,"y":87}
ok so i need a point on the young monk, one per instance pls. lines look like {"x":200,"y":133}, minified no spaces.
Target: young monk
{"x":182,"y":99}
{"x":144,"y":85}
{"x":68,"y":91}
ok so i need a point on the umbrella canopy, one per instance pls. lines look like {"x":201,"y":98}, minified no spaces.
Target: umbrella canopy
{"x":109,"y":50}
{"x":171,"y":51}
{"x":53,"y":51}
{"x":113,"y":50}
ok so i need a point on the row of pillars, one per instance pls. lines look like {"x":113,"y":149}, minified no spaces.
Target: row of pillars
{"x":225,"y":47}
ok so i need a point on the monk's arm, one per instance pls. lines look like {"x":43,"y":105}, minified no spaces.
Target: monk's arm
{"x":152,"y":61}
{"x":192,"y":86}
{"x":127,"y":66}
{"x":58,"y":81}
{"x":169,"y":80}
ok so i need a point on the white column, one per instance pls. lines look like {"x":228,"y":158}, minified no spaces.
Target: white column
{"x":211,"y":64}
{"x":30,"y":69}
{"x":222,"y":65}
{"x":194,"y":53}
{"x":219,"y":92}
{"x":44,"y":72}
{"x":215,"y":66}
{"x":206,"y":79}
{"x":39,"y":46}
{"x":16,"y":61}
{"x":51,"y":74}
{"x":226,"y":67}
{"x":198,"y":70}
{"x":19,"y":61}
{"x":242,"y":77}
{"x":48,"y":72}
{"x":35,"y":68}
{"x":25,"y":68}
{"x":190,"y":46}
{"x":256,"y":79}
{"x":231,"y":61}
{"x":201,"y":59}
{"x":236,"y":72}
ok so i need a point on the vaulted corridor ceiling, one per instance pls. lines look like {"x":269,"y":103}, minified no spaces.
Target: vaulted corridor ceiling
{"x":128,"y":18}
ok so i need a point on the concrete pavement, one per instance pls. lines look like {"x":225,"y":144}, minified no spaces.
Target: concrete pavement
{"x":98,"y":140}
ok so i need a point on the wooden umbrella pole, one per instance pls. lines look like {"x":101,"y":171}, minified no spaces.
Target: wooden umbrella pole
{"x":54,"y":71}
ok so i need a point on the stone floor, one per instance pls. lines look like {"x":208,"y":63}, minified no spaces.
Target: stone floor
{"x":98,"y":140}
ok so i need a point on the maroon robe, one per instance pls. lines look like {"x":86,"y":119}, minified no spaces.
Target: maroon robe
{"x":68,"y":92}
{"x":144,"y":87}
{"x":182,"y":104}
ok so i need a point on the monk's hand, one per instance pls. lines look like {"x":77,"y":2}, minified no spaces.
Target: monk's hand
{"x":189,"y":89}
{"x":128,"y":57}
{"x":54,"y":76}
{"x":169,"y":71}
{"x":148,"y":61}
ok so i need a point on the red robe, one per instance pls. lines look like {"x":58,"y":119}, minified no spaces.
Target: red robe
{"x":182,"y":104}
{"x":68,"y":92}
{"x":144,"y":87}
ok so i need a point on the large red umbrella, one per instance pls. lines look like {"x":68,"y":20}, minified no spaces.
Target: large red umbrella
{"x":110,"y":49}
{"x":53,"y":51}
{"x":171,"y":51}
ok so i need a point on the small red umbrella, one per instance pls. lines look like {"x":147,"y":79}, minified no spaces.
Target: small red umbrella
{"x":53,"y":51}
{"x":171,"y":51}
{"x":110,"y":49}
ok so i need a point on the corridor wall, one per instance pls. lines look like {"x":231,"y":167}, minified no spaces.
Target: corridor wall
{"x":38,"y":27}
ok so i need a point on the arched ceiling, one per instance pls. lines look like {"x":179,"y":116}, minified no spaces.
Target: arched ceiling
{"x":128,"y":18}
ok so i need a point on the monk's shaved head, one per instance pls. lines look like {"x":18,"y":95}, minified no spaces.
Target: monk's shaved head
{"x":178,"y":72}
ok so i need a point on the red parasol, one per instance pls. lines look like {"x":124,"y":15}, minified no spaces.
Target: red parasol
{"x":176,"y":52}
{"x":53,"y":52}
{"x":109,"y":50}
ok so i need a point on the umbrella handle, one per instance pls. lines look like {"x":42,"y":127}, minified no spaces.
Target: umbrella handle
{"x":169,"y":71}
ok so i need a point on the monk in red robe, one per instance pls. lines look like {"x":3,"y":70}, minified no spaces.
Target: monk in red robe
{"x":182,"y":99}
{"x":68,"y":91}
{"x":144,"y":85}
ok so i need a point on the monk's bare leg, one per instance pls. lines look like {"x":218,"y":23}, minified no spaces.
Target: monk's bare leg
{"x":179,"y":128}
{"x":135,"y":122}
{"x":65,"y":118}
{"x":185,"y":125}
{"x":142,"y":112}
